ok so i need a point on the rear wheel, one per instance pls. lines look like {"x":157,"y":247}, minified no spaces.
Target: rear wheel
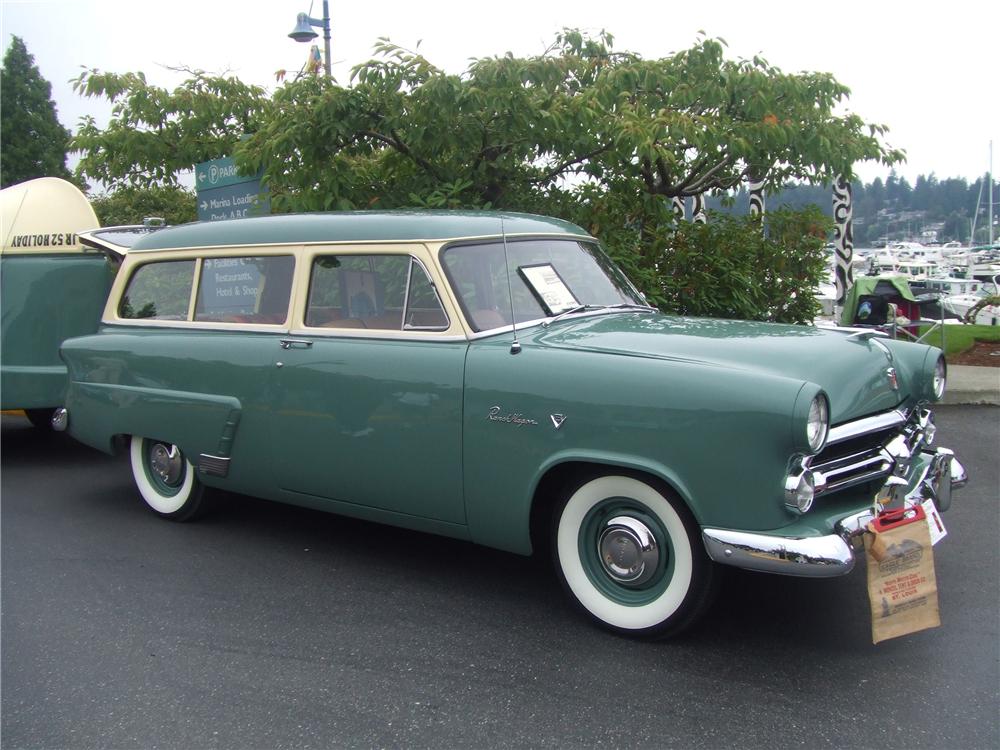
{"x":630,"y":555}
{"x":166,"y":479}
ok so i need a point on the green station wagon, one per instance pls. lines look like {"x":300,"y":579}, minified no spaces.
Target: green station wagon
{"x":496,"y":378}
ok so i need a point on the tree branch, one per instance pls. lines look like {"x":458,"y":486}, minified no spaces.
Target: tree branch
{"x":556,"y":171}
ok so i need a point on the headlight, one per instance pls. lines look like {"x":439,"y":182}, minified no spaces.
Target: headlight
{"x":940,"y":378}
{"x":818,"y":424}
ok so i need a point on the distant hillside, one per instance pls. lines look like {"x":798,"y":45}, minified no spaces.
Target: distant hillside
{"x":931,"y":210}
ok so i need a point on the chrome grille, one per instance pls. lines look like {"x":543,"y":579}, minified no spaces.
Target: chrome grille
{"x":869,"y":448}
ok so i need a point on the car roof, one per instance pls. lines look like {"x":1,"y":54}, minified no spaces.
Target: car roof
{"x":353,"y":226}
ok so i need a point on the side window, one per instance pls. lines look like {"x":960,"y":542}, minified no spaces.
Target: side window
{"x":159,"y":291}
{"x":245,"y":290}
{"x":377,"y":292}
{"x":423,"y":307}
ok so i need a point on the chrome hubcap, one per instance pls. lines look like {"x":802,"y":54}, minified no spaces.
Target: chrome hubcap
{"x":628,"y":551}
{"x":166,"y":462}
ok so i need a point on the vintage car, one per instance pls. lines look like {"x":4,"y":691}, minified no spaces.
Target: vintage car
{"x":496,"y":378}
{"x":53,"y":288}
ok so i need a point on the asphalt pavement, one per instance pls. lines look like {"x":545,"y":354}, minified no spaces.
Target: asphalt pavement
{"x":267,"y":626}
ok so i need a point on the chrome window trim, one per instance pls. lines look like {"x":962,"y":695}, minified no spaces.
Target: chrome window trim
{"x":381,"y":334}
{"x":437,"y":296}
{"x":198,"y":325}
{"x":506,"y":329}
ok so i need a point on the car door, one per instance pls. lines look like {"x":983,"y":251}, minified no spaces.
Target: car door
{"x":367,"y":406}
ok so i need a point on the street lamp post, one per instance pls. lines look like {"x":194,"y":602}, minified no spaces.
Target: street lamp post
{"x":304,"y":33}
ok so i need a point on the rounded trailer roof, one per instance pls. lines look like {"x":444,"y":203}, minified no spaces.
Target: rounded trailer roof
{"x":354,"y":226}
{"x":43,"y":216}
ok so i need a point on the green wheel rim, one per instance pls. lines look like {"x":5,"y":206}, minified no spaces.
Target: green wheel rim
{"x":165,"y":488}
{"x":590,"y":531}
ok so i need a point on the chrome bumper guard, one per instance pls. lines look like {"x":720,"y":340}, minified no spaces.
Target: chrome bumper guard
{"x":833,"y":554}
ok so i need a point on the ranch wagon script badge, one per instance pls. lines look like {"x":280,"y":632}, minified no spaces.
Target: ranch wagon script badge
{"x":518,"y":419}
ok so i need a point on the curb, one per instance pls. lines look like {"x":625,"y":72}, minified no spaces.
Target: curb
{"x":973,"y":386}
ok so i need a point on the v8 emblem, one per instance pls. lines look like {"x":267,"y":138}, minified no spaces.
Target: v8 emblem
{"x":557,"y":420}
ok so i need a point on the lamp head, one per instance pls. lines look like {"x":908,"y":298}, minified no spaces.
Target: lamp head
{"x":303,"y":31}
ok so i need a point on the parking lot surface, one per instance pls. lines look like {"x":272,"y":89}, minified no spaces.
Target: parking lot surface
{"x":270,"y":626}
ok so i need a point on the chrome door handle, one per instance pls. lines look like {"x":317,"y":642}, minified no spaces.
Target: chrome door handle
{"x":289,"y":343}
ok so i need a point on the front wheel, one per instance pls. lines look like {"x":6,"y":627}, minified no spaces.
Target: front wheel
{"x":166,"y":479}
{"x":630,"y":555}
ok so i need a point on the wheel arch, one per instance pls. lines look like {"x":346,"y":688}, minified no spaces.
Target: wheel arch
{"x":565,"y":470}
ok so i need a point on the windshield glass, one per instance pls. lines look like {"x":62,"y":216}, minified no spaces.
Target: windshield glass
{"x":547,"y":277}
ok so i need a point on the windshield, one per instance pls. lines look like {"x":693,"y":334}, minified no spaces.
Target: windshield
{"x":547,"y":277}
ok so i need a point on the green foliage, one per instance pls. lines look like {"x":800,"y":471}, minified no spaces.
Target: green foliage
{"x":728,"y":268}
{"x":130,"y":205}
{"x":33,"y":141}
{"x":601,"y":137}
{"x":154,"y":134}
{"x":506,"y":130}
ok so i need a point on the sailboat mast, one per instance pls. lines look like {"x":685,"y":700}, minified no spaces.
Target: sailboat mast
{"x":989,"y":176}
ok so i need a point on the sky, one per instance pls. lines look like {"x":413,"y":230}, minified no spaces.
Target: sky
{"x":929,"y":71}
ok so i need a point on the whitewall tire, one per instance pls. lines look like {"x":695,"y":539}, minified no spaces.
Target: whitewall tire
{"x":166,"y":479}
{"x":630,"y":555}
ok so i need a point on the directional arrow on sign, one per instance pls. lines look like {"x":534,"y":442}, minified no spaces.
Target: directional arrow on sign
{"x":204,"y":205}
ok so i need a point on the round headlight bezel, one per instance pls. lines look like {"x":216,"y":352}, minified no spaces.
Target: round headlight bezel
{"x":939,"y":381}
{"x":818,"y":423}
{"x":800,"y":491}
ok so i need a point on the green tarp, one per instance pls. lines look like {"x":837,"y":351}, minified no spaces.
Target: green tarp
{"x":891,"y":287}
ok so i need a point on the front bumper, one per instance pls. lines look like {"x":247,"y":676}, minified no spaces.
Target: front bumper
{"x":932,"y":476}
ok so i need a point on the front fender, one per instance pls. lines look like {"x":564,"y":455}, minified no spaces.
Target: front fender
{"x":721,"y":437}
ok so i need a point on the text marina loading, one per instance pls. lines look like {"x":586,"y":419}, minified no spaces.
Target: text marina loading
{"x":233,"y":207}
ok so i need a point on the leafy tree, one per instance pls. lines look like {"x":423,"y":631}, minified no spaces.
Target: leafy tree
{"x":32,"y":141}
{"x":679,"y":125}
{"x":728,"y":268}
{"x":155,"y":134}
{"x":582,"y":131}
{"x":131,"y":205}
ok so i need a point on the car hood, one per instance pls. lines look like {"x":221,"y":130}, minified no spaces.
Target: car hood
{"x":853,"y":370}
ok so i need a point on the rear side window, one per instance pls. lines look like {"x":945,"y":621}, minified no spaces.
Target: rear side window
{"x":245,"y":290}
{"x":159,"y":291}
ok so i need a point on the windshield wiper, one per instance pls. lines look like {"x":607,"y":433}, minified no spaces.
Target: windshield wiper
{"x":571,"y":311}
{"x":632,"y":306}
{"x":588,"y":308}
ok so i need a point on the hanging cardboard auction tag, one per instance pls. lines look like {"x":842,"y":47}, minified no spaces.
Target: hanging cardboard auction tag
{"x":934,"y":523}
{"x":902,"y":587}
